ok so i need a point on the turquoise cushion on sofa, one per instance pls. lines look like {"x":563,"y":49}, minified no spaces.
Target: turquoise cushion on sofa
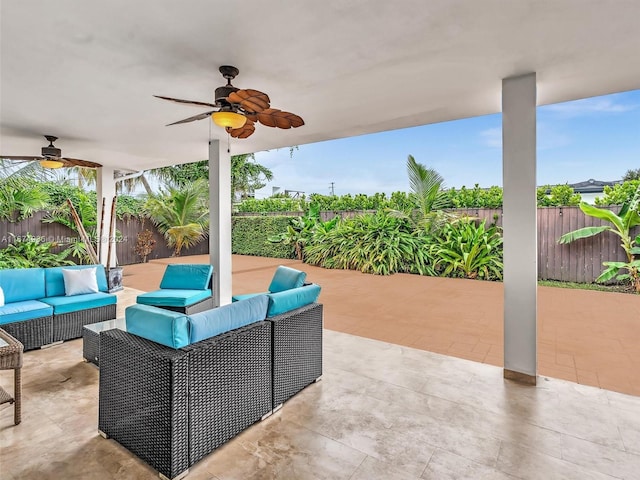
{"x":244,"y":296}
{"x":286,"y":278}
{"x":24,"y":310}
{"x":172,"y":297}
{"x":158,"y":325}
{"x":228,"y":317}
{"x":79,"y":302}
{"x":187,"y":276}
{"x":21,"y":284}
{"x":291,"y":299}
{"x":55,"y":282}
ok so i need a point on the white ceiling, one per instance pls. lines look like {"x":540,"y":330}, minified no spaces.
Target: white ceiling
{"x":86,"y":71}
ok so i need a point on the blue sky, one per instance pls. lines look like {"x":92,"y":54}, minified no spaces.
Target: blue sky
{"x":596,"y":138}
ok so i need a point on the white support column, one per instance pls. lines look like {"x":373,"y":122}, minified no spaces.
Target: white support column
{"x":520,"y":227}
{"x":220,"y":221}
{"x":105,"y":188}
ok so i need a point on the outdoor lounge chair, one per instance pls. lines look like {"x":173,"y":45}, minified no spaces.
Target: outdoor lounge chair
{"x":184,"y":288}
{"x":284,"y":278}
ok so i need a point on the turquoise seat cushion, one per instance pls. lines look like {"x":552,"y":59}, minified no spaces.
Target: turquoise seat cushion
{"x":158,"y":325}
{"x":187,"y":276}
{"x":228,"y":317}
{"x":79,"y":302}
{"x":282,"y":302}
{"x":24,"y":310}
{"x":54,"y":280}
{"x":21,"y":284}
{"x":244,"y":296}
{"x":173,"y":297}
{"x":286,"y":278}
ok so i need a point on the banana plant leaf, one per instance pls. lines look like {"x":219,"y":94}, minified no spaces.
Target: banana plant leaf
{"x":583,"y":233}
{"x":603,"y":214}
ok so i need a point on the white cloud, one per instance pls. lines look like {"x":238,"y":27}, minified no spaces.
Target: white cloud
{"x":492,"y":137}
{"x":590,"y":106}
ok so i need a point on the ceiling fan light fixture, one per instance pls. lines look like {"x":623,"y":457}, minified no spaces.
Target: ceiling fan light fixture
{"x":228,"y":119}
{"x":49,"y":163}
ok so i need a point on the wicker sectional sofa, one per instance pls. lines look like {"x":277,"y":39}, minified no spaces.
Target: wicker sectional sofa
{"x":37,"y":312}
{"x":172,"y":403}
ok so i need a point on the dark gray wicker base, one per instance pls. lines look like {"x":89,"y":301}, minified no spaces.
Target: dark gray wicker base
{"x":69,"y":325}
{"x":172,"y":407}
{"x":297,"y":351}
{"x":201,"y":306}
{"x":91,"y":346}
{"x":32,"y":333}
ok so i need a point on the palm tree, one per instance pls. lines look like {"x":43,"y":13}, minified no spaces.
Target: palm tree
{"x":20,"y":196}
{"x":427,"y":196}
{"x":181,"y":214}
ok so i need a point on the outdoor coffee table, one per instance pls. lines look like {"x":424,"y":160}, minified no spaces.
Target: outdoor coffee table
{"x":91,"y":338}
{"x":11,"y":359}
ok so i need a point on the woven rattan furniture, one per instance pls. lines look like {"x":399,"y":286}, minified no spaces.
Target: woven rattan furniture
{"x":32,"y":333}
{"x":11,"y":359}
{"x":91,"y":338}
{"x":38,"y":312}
{"x":297,"y":351}
{"x":184,"y":288}
{"x":171,"y":407}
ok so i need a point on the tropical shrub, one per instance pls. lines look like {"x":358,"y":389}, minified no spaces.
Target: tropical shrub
{"x":621,"y":225}
{"x":20,"y":198}
{"x":475,"y":197}
{"x":249,"y":236}
{"x":145,"y":243}
{"x":557,"y":196}
{"x":301,"y":230}
{"x":372,"y":243}
{"x":181,"y":214}
{"x":469,"y":250}
{"x":618,"y":194}
{"x":30,"y":252}
{"x":272,"y":204}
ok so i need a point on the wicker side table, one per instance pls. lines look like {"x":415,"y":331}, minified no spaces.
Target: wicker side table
{"x":11,"y":358}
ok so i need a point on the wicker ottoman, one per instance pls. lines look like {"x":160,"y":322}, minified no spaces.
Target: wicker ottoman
{"x":11,"y":359}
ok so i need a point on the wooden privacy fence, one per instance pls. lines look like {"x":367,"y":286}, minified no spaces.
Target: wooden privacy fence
{"x":580,"y":261}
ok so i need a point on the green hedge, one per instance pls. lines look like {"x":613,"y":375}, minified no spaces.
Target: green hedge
{"x":249,"y":236}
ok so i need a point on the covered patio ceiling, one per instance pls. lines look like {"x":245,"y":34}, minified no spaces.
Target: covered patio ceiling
{"x":86,"y":71}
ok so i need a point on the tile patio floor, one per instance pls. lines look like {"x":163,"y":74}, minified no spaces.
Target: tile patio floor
{"x":588,"y":337}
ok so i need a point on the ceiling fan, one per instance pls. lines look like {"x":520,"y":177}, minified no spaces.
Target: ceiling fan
{"x":237,"y":110}
{"x":52,"y":157}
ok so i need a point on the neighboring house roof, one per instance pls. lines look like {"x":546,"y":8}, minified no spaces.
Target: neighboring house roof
{"x":592,"y":186}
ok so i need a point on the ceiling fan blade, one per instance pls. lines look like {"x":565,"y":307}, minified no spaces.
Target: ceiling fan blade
{"x":200,"y":116}
{"x":20,"y":158}
{"x":243,"y":132}
{"x":76,"y":162}
{"x":186,"y":102}
{"x":272,"y":117}
{"x":250,"y":100}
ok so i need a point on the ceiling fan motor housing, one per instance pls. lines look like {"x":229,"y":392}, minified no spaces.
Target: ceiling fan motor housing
{"x":223,"y":92}
{"x":51,"y":152}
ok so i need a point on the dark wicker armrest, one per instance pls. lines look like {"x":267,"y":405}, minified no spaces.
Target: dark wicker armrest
{"x":297,"y":351}
{"x":144,"y":399}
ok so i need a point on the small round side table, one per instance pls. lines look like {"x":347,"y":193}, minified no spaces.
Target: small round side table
{"x":11,"y":358}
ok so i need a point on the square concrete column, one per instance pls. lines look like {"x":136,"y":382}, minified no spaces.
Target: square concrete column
{"x":520,"y":227}
{"x":220,"y":221}
{"x":105,"y":188}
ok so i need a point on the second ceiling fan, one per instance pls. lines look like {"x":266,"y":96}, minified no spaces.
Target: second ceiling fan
{"x":238,"y":110}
